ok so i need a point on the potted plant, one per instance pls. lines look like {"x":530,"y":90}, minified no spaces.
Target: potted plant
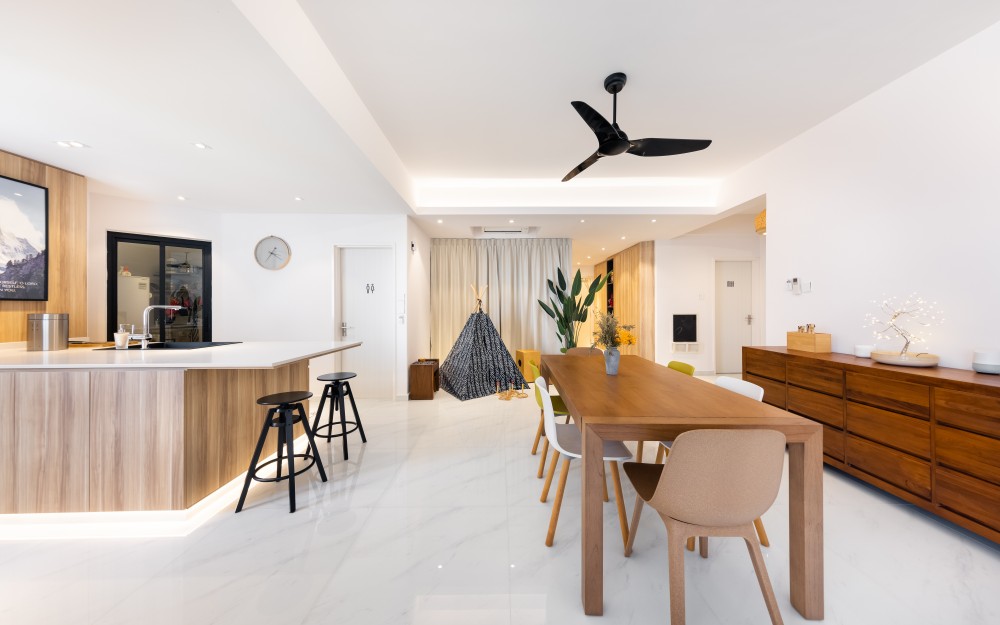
{"x":567,"y":308}
{"x":610,"y":334}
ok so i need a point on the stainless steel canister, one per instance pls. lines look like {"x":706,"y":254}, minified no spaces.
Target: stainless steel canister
{"x":48,"y":332}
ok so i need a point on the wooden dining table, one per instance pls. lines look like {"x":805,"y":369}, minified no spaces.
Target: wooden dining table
{"x":647,"y":402}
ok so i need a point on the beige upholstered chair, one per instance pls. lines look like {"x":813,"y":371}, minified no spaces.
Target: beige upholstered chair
{"x":714,"y":483}
{"x":584,"y":351}
{"x":747,"y":389}
{"x":565,"y":439}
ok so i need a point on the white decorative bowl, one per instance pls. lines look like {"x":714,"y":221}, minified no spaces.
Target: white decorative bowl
{"x":986,"y":368}
{"x":986,"y":357}
{"x":863,"y":351}
{"x":906,"y":360}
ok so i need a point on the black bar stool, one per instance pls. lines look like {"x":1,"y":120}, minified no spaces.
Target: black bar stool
{"x":336,"y":390}
{"x":287,"y":412}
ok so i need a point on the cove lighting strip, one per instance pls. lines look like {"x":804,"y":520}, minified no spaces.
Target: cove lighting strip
{"x":146,"y":524}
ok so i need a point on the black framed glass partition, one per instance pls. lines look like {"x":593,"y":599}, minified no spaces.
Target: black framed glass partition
{"x":146,"y":270}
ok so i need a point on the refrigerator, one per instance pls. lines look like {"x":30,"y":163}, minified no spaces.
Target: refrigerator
{"x":133,"y":297}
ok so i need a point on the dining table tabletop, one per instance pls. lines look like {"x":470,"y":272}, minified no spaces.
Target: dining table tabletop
{"x":647,"y":401}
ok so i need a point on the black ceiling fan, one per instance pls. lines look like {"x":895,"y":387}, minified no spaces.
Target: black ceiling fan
{"x":612,"y":140}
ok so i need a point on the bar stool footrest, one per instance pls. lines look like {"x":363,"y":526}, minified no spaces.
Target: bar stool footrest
{"x":309,"y":457}
{"x":330,"y":426}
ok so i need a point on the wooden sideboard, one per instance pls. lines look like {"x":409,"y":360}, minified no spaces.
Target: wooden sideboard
{"x":928,"y":436}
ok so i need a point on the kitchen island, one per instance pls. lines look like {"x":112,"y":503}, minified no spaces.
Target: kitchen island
{"x":92,"y":430}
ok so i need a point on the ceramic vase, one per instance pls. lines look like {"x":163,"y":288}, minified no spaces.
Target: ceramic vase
{"x":611,"y":358}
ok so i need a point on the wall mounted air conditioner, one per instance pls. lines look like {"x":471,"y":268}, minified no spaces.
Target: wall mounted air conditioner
{"x":505,"y":232}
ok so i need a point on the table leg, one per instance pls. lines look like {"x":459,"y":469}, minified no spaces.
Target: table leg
{"x":805,"y":525}
{"x":592,"y":547}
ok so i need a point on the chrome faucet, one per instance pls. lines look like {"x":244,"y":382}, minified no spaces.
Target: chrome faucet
{"x":146,"y":336}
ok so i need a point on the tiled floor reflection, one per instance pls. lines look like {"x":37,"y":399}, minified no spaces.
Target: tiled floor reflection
{"x":437,"y":521}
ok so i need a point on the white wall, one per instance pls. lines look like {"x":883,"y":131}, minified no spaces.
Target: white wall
{"x":418,"y":295}
{"x":298,"y":302}
{"x":898,"y":193}
{"x":685,"y":284}
{"x":116,"y":214}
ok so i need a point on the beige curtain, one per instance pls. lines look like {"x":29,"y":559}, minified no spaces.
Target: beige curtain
{"x":515,"y":273}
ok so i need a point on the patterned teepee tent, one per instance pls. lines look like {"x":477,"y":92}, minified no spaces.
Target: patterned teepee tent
{"x":478,"y":361}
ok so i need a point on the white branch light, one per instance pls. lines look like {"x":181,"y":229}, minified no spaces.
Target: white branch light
{"x":908,"y":319}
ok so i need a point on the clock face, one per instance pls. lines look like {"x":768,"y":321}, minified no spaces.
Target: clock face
{"x":272,"y":253}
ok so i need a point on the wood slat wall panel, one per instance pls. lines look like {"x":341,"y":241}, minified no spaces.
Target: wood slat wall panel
{"x":136,"y":440}
{"x":635,"y":293}
{"x":67,"y":248}
{"x":51,"y":441}
{"x":8,"y":478}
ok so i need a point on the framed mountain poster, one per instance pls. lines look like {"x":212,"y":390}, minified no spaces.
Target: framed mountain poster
{"x":24,"y":239}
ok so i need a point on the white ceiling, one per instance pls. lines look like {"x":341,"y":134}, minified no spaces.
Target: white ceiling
{"x":364,"y":106}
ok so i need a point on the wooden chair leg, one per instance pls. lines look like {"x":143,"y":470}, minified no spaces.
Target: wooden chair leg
{"x":762,"y":578}
{"x":636,"y":511}
{"x":548,"y":478}
{"x":703,"y":546}
{"x":661,"y":454}
{"x":638,"y":451}
{"x":675,"y":550}
{"x":620,"y":501}
{"x":761,"y":534}
{"x":541,"y":463}
{"x":558,"y":502}
{"x":690,"y":543}
{"x":538,"y":435}
{"x":605,"y":484}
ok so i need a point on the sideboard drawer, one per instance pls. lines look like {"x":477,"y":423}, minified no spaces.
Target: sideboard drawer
{"x":971,"y":453}
{"x":895,"y":467}
{"x":774,"y":392}
{"x":908,"y":434}
{"x":822,"y":378}
{"x":816,"y":406}
{"x":914,"y":399}
{"x":833,"y":443}
{"x":764,"y":364}
{"x":968,"y":496}
{"x":979,"y":413}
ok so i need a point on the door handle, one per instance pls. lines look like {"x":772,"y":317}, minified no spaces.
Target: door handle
{"x":344,"y":328}
{"x":749,"y":319}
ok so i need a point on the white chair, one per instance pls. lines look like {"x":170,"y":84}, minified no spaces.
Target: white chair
{"x":713,"y":484}
{"x":747,"y":389}
{"x":566,"y":439}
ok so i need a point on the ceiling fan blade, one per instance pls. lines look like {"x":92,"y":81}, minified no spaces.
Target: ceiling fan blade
{"x":593,"y":158}
{"x":667,"y":147}
{"x":596,"y":121}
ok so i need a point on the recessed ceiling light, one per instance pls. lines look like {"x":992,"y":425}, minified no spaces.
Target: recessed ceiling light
{"x":653,"y":221}
{"x":588,"y":258}
{"x":18,"y":194}
{"x":202,"y":146}
{"x":510,"y":221}
{"x":181,"y":198}
{"x":582,"y":220}
{"x":71,"y":144}
{"x":602,"y":249}
{"x":440,"y":221}
{"x":578,"y":263}
{"x":298,"y":199}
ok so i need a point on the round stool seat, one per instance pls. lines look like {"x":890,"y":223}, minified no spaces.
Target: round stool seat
{"x":340,"y":376}
{"x":289,"y":397}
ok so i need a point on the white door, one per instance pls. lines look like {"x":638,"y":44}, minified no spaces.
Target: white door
{"x":733,"y":314}
{"x":366,"y":313}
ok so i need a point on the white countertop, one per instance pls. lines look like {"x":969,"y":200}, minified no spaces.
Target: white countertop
{"x":252,"y":355}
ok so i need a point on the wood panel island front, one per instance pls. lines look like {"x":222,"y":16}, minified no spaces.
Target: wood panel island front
{"x":90,"y":430}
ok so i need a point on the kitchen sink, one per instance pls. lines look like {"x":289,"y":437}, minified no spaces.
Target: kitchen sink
{"x":180,"y":345}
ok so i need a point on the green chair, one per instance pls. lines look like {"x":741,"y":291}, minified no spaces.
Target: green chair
{"x":683,"y":367}
{"x":558,"y":406}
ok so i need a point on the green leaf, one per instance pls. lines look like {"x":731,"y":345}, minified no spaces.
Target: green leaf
{"x":577,"y":284}
{"x":587,"y":301}
{"x":552,"y":287}
{"x":562,"y":279}
{"x":546,"y":309}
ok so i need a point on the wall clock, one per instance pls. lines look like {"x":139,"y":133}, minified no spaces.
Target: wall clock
{"x":272,"y":253}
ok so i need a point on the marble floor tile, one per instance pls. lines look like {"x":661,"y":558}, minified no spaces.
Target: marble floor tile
{"x":436,"y":520}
